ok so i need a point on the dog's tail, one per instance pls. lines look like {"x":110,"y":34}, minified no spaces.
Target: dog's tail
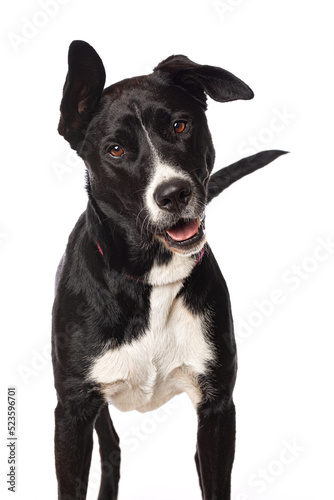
{"x":226,"y":176}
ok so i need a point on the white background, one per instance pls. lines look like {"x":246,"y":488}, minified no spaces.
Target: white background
{"x":263,"y":230}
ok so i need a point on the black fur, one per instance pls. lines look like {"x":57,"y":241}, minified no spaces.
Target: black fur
{"x":102,"y":290}
{"x":228,"y":175}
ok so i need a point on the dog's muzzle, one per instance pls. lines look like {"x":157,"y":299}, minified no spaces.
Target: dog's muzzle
{"x":173,"y":196}
{"x":187,"y":234}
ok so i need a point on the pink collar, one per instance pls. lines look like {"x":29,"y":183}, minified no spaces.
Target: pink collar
{"x":99,"y":248}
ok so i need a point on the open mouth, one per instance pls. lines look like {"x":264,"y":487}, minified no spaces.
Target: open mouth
{"x":187,"y":235}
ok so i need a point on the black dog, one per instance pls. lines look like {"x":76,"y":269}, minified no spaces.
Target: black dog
{"x":142,"y":312}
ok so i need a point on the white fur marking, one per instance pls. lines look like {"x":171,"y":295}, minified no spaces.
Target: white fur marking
{"x":162,"y":172}
{"x":166,"y":360}
{"x":177,"y":269}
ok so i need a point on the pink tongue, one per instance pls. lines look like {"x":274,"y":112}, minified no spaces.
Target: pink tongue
{"x":183,"y":230}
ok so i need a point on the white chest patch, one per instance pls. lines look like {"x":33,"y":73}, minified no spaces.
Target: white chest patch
{"x":166,"y":360}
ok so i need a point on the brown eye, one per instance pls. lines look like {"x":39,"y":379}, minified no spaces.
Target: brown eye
{"x":179,"y":127}
{"x":116,"y":151}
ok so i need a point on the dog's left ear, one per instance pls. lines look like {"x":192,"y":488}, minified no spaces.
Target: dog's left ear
{"x":199,"y":80}
{"x":82,"y":91}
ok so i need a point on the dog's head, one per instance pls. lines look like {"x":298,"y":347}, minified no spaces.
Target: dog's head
{"x":146,"y":144}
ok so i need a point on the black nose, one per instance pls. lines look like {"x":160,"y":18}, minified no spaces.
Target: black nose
{"x":173,"y":195}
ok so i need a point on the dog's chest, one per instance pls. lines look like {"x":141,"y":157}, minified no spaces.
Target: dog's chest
{"x":166,"y":360}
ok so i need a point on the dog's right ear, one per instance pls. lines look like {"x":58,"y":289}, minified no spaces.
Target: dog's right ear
{"x":82,"y":91}
{"x":201,"y":80}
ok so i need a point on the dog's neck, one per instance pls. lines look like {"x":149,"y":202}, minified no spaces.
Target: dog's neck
{"x":154,"y":265}
{"x":178,"y":269}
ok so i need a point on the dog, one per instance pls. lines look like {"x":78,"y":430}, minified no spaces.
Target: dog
{"x":142,"y":311}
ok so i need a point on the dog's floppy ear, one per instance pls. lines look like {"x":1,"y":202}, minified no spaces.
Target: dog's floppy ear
{"x":199,"y":80}
{"x":82,"y":91}
{"x":228,"y":175}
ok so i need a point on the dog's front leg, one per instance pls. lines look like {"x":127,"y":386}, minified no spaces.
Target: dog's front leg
{"x":73,"y":448}
{"x":215,"y":449}
{"x":110,"y":455}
